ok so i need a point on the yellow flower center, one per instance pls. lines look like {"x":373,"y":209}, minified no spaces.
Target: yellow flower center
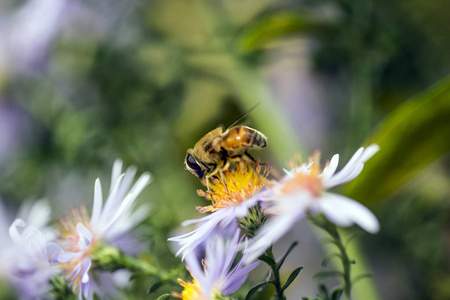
{"x":309,"y":181}
{"x":191,"y":291}
{"x":233,"y":187}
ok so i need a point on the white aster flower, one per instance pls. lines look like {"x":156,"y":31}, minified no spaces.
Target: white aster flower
{"x":216,"y":275}
{"x":110,"y":223}
{"x":304,"y":190}
{"x":25,"y":256}
{"x":231,"y":196}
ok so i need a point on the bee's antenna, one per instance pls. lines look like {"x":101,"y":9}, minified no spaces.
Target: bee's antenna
{"x":243,"y":116}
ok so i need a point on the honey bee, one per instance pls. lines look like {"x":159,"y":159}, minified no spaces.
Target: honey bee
{"x":213,"y":152}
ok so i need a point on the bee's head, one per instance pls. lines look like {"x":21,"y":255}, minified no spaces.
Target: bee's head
{"x":192,"y":165}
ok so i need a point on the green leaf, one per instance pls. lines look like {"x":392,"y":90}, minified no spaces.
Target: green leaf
{"x":410,"y":138}
{"x":355,"y":236}
{"x":268,"y":260}
{"x":327,"y":258}
{"x":337,"y":293}
{"x":293,"y":245}
{"x":326,"y":274}
{"x":280,"y":24}
{"x":256,"y":288}
{"x":163,"y":296}
{"x":155,"y":285}
{"x":308,"y":298}
{"x":291,"y":278}
{"x":323,"y":292}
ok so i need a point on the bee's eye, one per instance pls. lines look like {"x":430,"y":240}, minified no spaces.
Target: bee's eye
{"x":194,"y":166}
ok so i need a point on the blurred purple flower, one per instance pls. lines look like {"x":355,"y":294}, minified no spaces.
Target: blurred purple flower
{"x":26,"y":35}
{"x":25,"y":254}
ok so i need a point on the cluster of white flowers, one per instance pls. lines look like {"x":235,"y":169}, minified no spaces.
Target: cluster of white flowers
{"x":302,"y":191}
{"x":30,"y":258}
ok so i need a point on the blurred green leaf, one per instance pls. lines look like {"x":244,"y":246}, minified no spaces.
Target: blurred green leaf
{"x":283,"y":258}
{"x":291,"y":278}
{"x":327,"y":274}
{"x":164,"y":296}
{"x":410,"y":138}
{"x":277,"y":25}
{"x":337,"y":293}
{"x":256,"y":288}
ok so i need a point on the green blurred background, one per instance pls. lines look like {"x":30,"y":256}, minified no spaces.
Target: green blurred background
{"x":85,"y":82}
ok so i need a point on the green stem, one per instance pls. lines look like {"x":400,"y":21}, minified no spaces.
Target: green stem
{"x":276,"y":274}
{"x":346,"y":262}
{"x":111,"y":258}
{"x":331,"y":229}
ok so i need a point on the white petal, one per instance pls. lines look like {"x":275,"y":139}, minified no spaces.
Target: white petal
{"x":109,"y":207}
{"x":369,"y":152}
{"x":206,"y":225}
{"x":14,"y":233}
{"x":68,"y":256}
{"x":127,"y":203}
{"x":353,"y":168}
{"x":86,"y":266}
{"x":53,"y":252}
{"x":126,"y":182}
{"x":344,"y":212}
{"x":85,"y":236}
{"x":116,"y":171}
{"x":36,"y":214}
{"x":274,"y":228}
{"x":98,"y":203}
{"x":331,"y":168}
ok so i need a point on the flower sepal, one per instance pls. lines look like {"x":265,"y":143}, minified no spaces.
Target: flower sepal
{"x":61,"y":289}
{"x":254,"y":219}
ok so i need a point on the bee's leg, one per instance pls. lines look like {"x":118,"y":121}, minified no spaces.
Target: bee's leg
{"x":226,"y":165}
{"x":211,"y":173}
{"x":246,"y":154}
{"x":207,"y":183}
{"x":247,"y":157}
{"x":257,"y":163}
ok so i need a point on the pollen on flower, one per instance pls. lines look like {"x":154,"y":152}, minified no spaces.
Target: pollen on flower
{"x":233,"y":187}
{"x":308,"y":179}
{"x":67,"y":229}
{"x":191,"y":291}
{"x":68,"y":239}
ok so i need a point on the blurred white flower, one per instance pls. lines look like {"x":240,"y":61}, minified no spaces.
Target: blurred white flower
{"x":303,"y":190}
{"x":215,"y":275}
{"x":110,"y":223}
{"x":25,"y":254}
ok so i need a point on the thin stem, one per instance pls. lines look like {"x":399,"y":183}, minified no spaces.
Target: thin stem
{"x":331,"y":229}
{"x":111,"y":258}
{"x":346,"y":263}
{"x":276,"y":274}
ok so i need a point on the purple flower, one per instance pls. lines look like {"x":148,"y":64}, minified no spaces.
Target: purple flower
{"x":26,"y":35}
{"x":216,"y":275}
